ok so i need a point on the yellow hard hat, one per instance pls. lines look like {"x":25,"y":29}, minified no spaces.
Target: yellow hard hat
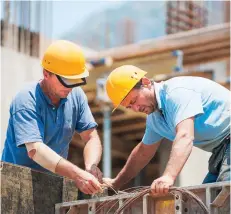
{"x":121,"y":81}
{"x":66,"y":60}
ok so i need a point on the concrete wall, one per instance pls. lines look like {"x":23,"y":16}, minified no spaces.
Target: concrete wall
{"x":16,"y":70}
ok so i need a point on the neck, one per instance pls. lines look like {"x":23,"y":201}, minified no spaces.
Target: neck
{"x":154,"y":98}
{"x":45,"y":88}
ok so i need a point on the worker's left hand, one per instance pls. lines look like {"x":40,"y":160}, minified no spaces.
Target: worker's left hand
{"x":94,"y":170}
{"x":161,"y":185}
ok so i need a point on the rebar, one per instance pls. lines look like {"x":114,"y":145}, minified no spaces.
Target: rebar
{"x":143,"y":190}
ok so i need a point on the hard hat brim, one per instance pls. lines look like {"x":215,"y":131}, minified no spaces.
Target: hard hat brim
{"x":79,"y":76}
{"x":115,"y":107}
{"x":73,"y":81}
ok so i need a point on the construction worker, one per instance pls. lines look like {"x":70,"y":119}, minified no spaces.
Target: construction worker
{"x":186,"y":110}
{"x":45,"y":114}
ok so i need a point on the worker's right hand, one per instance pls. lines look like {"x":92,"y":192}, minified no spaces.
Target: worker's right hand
{"x":87,"y":183}
{"x":109,"y":182}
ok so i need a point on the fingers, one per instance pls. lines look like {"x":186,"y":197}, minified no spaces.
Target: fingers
{"x":96,"y":185}
{"x":85,"y":189}
{"x":153,"y":189}
{"x":159,"y":188}
{"x":165,"y":189}
{"x":89,"y":187}
{"x":108,"y":180}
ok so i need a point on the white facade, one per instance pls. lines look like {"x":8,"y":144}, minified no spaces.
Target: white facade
{"x":195,"y":169}
{"x":16,"y":70}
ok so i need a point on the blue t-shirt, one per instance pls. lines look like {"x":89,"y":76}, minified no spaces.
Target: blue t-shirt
{"x":33,"y":118}
{"x":183,"y":97}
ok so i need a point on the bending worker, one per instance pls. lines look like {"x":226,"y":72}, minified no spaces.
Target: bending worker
{"x":44,"y":116}
{"x":186,"y":110}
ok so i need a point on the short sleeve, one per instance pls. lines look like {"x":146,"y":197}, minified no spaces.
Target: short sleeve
{"x":182,"y":104}
{"x":85,"y":119}
{"x":28,"y":127}
{"x":150,"y":136}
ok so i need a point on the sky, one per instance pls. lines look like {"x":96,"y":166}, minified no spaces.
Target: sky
{"x":67,"y":14}
{"x":64,"y":15}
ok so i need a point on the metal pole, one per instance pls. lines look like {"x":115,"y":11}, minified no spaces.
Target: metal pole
{"x":107,"y":141}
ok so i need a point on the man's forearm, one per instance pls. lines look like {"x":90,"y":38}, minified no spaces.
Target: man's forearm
{"x":67,"y":169}
{"x":92,"y":152}
{"x":137,"y":160}
{"x":181,"y":150}
{"x":50,"y":160}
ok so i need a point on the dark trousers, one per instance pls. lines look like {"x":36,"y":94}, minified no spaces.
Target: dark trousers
{"x":223,"y":171}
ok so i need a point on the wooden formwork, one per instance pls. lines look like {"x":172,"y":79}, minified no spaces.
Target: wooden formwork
{"x":26,"y":191}
{"x":215,"y":196}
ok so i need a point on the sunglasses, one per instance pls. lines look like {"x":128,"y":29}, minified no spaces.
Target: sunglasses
{"x":69,"y":83}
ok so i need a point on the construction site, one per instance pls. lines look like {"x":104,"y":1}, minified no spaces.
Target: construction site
{"x":191,"y":46}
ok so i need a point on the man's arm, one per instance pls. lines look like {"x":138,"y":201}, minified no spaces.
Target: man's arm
{"x":92,"y":152}
{"x":137,"y":160}
{"x":50,"y":160}
{"x":181,"y":149}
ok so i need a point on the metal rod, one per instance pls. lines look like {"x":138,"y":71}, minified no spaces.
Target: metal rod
{"x":107,"y":141}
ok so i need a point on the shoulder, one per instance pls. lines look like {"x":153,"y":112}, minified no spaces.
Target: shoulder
{"x":77,"y":91}
{"x":78,"y":96}
{"x":25,"y":98}
{"x":152,"y":117}
{"x":188,"y":83}
{"x":181,"y":86}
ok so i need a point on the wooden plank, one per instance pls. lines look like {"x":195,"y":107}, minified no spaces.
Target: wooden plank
{"x":128,"y":128}
{"x":96,"y":109}
{"x":123,"y":117}
{"x":225,"y":84}
{"x":91,"y":96}
{"x":119,"y":148}
{"x":205,"y":74}
{"x":208,"y":47}
{"x":148,"y":54}
{"x":177,"y":27}
{"x":228,"y":68}
{"x":217,"y":55}
{"x":169,"y":42}
{"x":134,"y":136}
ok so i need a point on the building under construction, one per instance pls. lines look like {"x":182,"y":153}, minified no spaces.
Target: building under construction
{"x":190,"y":48}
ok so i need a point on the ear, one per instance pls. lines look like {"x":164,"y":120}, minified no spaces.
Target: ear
{"x":146,"y":82}
{"x":46,"y":74}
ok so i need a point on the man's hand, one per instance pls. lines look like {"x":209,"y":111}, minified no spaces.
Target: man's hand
{"x":87,"y":183}
{"x":111,"y":185}
{"x":109,"y":182}
{"x":161,"y":185}
{"x":94,"y":170}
